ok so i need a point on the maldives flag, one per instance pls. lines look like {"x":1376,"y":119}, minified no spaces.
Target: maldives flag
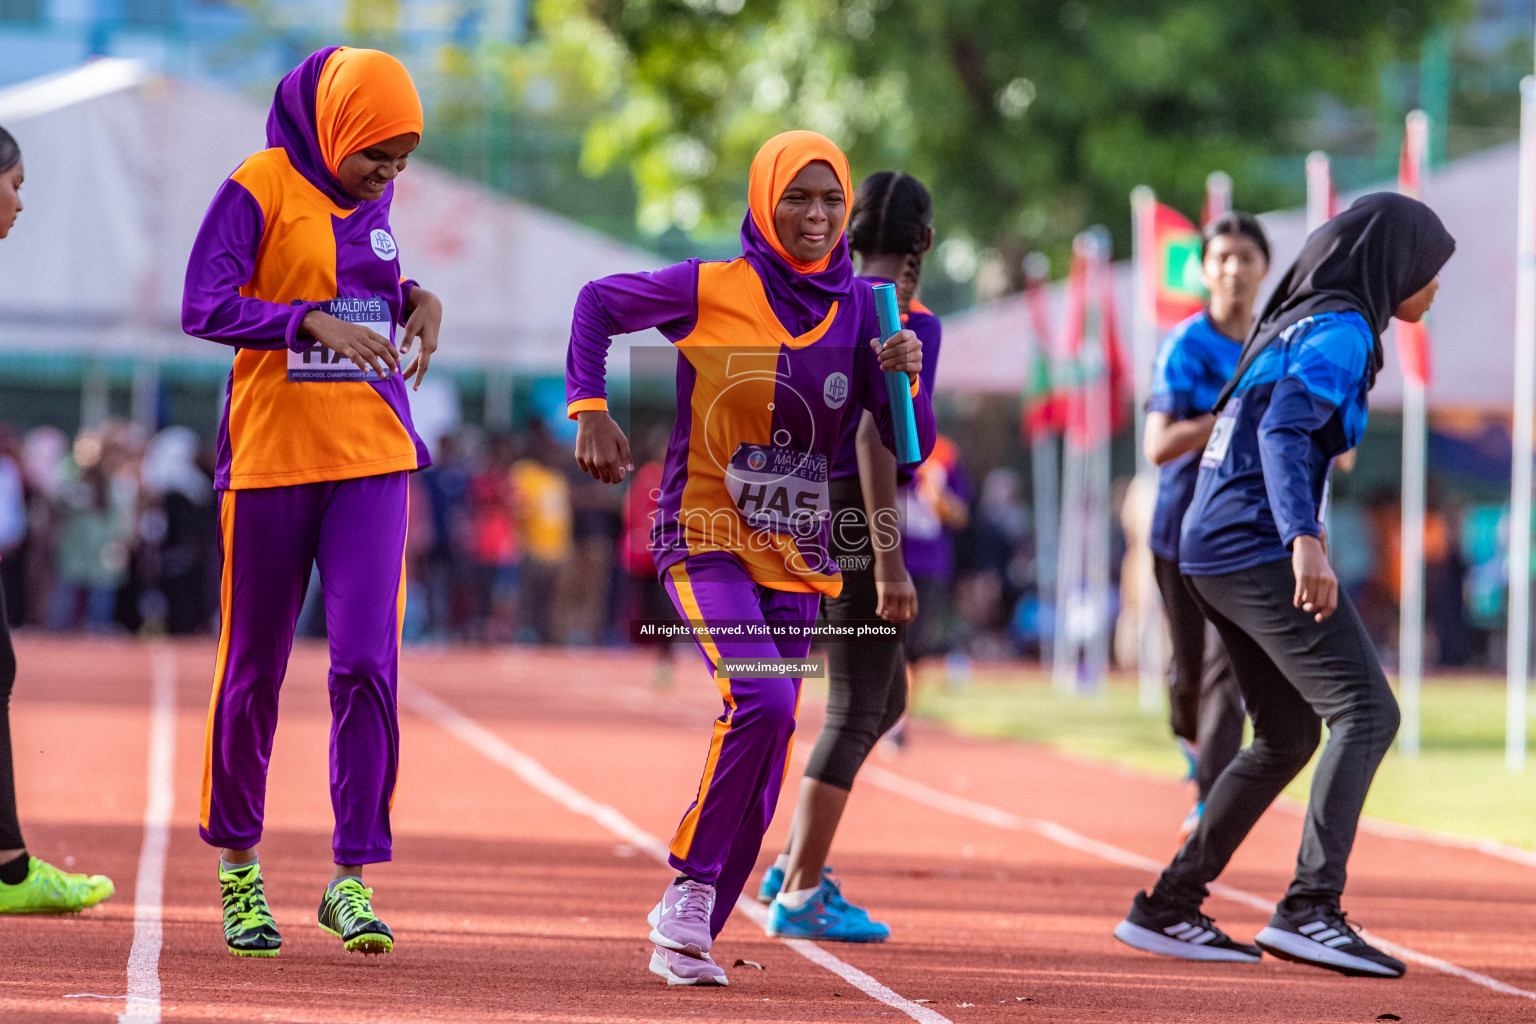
{"x":1090,"y":313}
{"x":1177,"y":290}
{"x":1044,"y":407}
{"x":1413,"y":339}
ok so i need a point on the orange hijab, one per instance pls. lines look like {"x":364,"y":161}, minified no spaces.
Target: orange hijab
{"x":775,"y":166}
{"x":363,"y":98}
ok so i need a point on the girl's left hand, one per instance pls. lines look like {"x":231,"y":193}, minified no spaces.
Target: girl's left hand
{"x":903,"y":353}
{"x":425,"y":321}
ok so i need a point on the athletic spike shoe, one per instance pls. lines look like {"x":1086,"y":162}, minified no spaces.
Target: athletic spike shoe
{"x":681,"y":920}
{"x":346,"y":911}
{"x":47,"y":890}
{"x":826,"y":916}
{"x":1191,"y":822}
{"x":249,"y":929}
{"x":682,"y":969}
{"x":1321,"y":936}
{"x":773,"y":882}
{"x":1187,"y":934}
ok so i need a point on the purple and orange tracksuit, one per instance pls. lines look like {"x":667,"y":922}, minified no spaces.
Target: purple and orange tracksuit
{"x":313,"y":458}
{"x":742,"y":521}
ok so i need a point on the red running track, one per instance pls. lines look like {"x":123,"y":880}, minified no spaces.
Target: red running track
{"x":1001,"y":868}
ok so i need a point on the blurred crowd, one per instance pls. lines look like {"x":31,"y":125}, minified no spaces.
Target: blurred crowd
{"x":116,"y":530}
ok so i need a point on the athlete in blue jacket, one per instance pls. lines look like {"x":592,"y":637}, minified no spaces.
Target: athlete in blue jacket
{"x":1194,"y":363}
{"x":1252,"y":549}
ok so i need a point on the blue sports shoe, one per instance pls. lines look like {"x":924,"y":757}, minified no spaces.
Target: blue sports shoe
{"x":773,"y":882}
{"x":827,"y":916}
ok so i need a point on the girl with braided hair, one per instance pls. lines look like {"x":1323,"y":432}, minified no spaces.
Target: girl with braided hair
{"x":890,"y":227}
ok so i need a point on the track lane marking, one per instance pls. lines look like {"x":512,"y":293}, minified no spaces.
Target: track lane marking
{"x":1063,"y":836}
{"x":143,"y":1005}
{"x":542,"y":780}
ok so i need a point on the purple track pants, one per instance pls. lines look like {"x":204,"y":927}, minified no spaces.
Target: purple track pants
{"x":719,"y":838}
{"x":354,"y":530}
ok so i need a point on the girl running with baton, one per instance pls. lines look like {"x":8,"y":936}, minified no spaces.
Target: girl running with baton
{"x":890,"y":229}
{"x":778,"y":353}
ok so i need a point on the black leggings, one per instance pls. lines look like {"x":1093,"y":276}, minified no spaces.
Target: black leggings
{"x":867,"y":680}
{"x":1294,"y":674}
{"x":10,"y":828}
{"x":1205,"y":704}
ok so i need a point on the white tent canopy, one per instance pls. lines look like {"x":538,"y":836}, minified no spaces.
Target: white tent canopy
{"x":1472,"y":327}
{"x":121,"y":164}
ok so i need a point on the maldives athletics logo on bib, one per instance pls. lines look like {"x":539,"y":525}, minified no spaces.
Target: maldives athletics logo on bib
{"x":383,"y":244}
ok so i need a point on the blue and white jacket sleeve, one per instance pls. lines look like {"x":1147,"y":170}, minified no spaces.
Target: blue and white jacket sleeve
{"x":1322,"y":372}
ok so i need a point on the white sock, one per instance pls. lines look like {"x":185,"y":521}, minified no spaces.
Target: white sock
{"x":782,"y":862}
{"x":799,"y":898}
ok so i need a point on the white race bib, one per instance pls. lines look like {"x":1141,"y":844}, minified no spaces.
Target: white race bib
{"x":779,"y":489}
{"x":318,"y":363}
{"x":1221,"y":437}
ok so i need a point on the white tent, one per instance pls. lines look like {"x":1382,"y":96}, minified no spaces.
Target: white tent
{"x":1472,"y":326}
{"x":121,"y":164}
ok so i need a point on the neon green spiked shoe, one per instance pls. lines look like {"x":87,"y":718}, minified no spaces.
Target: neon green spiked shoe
{"x":47,"y":890}
{"x":346,"y":911}
{"x":249,"y":929}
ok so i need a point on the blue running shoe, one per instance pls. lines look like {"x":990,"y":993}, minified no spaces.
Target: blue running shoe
{"x":827,"y":916}
{"x":773,"y":884}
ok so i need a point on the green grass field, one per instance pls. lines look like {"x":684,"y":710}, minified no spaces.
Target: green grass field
{"x":1457,"y":785}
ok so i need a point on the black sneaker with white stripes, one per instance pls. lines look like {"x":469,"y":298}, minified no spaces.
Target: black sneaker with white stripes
{"x":1184,"y":933}
{"x":1319,"y":935}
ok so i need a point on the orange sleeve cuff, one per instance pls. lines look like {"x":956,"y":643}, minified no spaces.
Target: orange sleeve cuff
{"x":917,"y":383}
{"x":584,"y":405}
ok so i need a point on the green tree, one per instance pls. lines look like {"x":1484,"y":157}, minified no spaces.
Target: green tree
{"x":1029,"y":120}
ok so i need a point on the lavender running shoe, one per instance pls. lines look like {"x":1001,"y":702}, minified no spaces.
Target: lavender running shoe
{"x":682,"y":969}
{"x":681,"y":920}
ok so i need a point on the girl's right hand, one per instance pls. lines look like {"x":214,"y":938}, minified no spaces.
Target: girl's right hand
{"x":372,"y":353}
{"x":601,"y":447}
{"x":1317,"y":589}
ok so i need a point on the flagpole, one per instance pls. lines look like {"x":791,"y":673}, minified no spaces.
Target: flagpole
{"x":1319,"y":190}
{"x":1065,"y":650}
{"x":1042,"y":456}
{"x":1150,"y":685}
{"x":1519,"y":651}
{"x":1100,"y":418}
{"x":1218,"y":197}
{"x":1410,"y":644}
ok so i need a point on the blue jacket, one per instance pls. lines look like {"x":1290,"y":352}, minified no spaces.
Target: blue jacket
{"x":1193,"y":364}
{"x":1301,"y":404}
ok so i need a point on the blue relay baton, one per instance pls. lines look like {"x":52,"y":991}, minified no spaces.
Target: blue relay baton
{"x":897,"y":383}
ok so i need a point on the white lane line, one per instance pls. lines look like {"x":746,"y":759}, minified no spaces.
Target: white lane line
{"x":1063,"y":836}
{"x":1447,"y":840}
{"x":144,"y":958}
{"x":1373,"y":825}
{"x":539,"y":778}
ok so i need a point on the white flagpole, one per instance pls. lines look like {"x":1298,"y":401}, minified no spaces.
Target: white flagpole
{"x":1150,"y":684}
{"x":1518,"y":656}
{"x":1044,"y":464}
{"x":1410,"y":635}
{"x":1319,"y":189}
{"x":1218,"y":195}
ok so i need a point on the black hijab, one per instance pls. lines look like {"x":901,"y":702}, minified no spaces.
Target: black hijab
{"x":1367,"y":260}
